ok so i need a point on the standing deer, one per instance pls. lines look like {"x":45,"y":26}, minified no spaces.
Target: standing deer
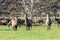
{"x":14,"y":23}
{"x":28,"y":23}
{"x":48,"y":21}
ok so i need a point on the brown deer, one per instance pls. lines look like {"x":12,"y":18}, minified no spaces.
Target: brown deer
{"x":48,"y":21}
{"x":14,"y":23}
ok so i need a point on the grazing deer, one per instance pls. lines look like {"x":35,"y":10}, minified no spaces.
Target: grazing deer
{"x":57,"y":20}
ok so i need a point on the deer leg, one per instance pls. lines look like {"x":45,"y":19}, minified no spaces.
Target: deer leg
{"x":15,"y":27}
{"x":58,"y":24}
{"x":28,"y":28}
{"x":48,"y":27}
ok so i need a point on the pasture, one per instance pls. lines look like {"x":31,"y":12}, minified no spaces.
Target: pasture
{"x":36,"y":33}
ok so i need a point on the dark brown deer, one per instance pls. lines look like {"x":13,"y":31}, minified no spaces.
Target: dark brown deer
{"x":57,"y":20}
{"x":28,"y":23}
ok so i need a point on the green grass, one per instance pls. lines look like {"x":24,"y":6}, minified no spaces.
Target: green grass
{"x":36,"y":33}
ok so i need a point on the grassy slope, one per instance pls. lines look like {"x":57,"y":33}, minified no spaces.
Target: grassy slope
{"x":36,"y":33}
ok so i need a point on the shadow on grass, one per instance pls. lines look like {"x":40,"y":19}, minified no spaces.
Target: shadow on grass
{"x":6,"y":30}
{"x":37,"y":25}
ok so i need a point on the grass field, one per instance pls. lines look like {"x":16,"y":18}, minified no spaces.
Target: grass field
{"x":36,"y":33}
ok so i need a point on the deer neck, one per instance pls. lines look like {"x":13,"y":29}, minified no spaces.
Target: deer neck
{"x":48,"y":17}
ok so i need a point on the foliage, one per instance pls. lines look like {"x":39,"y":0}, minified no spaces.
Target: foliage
{"x":12,"y":6}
